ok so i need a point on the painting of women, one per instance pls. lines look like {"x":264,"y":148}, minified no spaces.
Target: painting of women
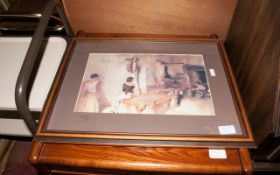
{"x":135,"y":83}
{"x":90,"y":98}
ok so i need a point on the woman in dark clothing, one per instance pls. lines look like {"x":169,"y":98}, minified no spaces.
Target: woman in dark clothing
{"x":128,"y":92}
{"x":128,"y":87}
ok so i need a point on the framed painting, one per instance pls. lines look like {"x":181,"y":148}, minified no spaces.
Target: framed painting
{"x":161,"y":92}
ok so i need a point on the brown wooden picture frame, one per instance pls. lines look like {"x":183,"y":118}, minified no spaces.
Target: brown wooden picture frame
{"x":243,"y":137}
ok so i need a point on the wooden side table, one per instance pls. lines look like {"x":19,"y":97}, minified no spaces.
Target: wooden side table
{"x":63,"y":158}
{"x":55,"y":152}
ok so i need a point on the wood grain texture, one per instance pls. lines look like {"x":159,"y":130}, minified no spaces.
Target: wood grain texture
{"x":63,"y":172}
{"x":188,"y":17}
{"x":235,"y":91}
{"x":245,"y":161}
{"x":35,"y":152}
{"x":253,"y":45}
{"x":138,"y":159}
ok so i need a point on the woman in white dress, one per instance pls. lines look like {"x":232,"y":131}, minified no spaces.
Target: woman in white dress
{"x":91,"y":99}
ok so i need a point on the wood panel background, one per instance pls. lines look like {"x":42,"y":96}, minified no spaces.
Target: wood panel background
{"x":253,"y":45}
{"x":189,"y":17}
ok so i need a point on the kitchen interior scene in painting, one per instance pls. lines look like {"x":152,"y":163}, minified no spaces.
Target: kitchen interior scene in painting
{"x":132,"y":83}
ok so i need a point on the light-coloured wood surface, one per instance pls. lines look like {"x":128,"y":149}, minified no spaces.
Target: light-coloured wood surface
{"x":189,"y":17}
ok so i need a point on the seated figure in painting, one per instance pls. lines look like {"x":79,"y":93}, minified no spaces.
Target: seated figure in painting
{"x":128,"y":92}
{"x":90,"y":98}
{"x":200,"y":90}
{"x":128,"y":87}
